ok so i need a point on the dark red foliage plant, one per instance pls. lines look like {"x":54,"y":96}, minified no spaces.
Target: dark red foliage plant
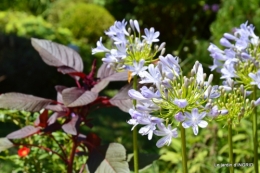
{"x":73,"y":104}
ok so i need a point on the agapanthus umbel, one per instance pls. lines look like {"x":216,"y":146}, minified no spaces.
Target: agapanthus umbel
{"x":130,"y":50}
{"x":240,"y":58}
{"x":172,"y":100}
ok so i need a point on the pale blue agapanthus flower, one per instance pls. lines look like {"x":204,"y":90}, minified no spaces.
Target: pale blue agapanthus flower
{"x":194,"y":120}
{"x":118,"y":27}
{"x":167,"y":132}
{"x":150,"y":93}
{"x":257,"y":102}
{"x":137,"y":68}
{"x":151,"y":36}
{"x":150,"y":123}
{"x":100,"y":47}
{"x":152,"y":76}
{"x":256,"y":78}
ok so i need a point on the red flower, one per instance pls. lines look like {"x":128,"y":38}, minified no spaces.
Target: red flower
{"x":24,"y":151}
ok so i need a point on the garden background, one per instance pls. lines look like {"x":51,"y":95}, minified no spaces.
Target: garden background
{"x":187,"y":27}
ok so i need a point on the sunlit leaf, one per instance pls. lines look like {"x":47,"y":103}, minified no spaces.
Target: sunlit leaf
{"x":71,"y":126}
{"x":74,"y":96}
{"x":57,"y":55}
{"x":107,"y":75}
{"x":25,"y":102}
{"x":172,"y":157}
{"x":23,"y":132}
{"x":5,"y":144}
{"x":122,"y":100}
{"x":59,"y":89}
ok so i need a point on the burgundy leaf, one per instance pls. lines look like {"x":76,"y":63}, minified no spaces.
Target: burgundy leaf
{"x":25,"y":102}
{"x":54,"y":117}
{"x":59,"y":89}
{"x":93,"y":141}
{"x":100,"y":86}
{"x":110,"y":74}
{"x":52,"y":127}
{"x":120,"y":76}
{"x":122,"y":100}
{"x":41,"y":121}
{"x":57,"y":108}
{"x":70,"y":71}
{"x":106,"y":75}
{"x":74,"y":97}
{"x":71,"y":127}
{"x":66,"y":70}
{"x":57,"y":55}
{"x":23,"y":132}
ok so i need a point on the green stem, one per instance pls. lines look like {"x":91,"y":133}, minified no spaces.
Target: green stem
{"x":255,"y":137}
{"x":135,"y":144}
{"x":183,"y":151}
{"x":231,"y":159}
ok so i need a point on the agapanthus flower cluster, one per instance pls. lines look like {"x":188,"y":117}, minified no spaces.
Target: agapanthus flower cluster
{"x":173,"y":99}
{"x":240,"y":58}
{"x":131,"y":50}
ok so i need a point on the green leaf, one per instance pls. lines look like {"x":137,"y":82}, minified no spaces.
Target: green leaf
{"x":5,"y":144}
{"x":239,"y":137}
{"x":110,"y":159}
{"x":171,"y":157}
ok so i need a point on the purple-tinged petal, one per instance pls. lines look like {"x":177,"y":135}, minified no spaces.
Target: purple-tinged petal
{"x":181,"y":103}
{"x":195,"y":129}
{"x":179,"y":117}
{"x":136,"y":95}
{"x":203,"y":124}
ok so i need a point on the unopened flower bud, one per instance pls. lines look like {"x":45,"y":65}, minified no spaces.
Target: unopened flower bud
{"x":208,"y":106}
{"x":193,"y":72}
{"x":242,"y":90}
{"x":162,"y":52}
{"x":196,"y":66}
{"x":179,"y":117}
{"x":162,"y":46}
{"x":223,"y":112}
{"x":129,"y":30}
{"x":210,"y":79}
{"x":132,"y":24}
{"x":186,"y":82}
{"x":209,"y":90}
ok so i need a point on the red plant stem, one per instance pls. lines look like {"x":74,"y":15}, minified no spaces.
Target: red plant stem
{"x":44,"y":148}
{"x":82,"y":168}
{"x":78,"y":84}
{"x":72,"y":154}
{"x":62,"y":150}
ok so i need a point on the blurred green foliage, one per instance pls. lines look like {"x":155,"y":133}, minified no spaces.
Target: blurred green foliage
{"x":86,"y":25}
{"x":23,"y":24}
